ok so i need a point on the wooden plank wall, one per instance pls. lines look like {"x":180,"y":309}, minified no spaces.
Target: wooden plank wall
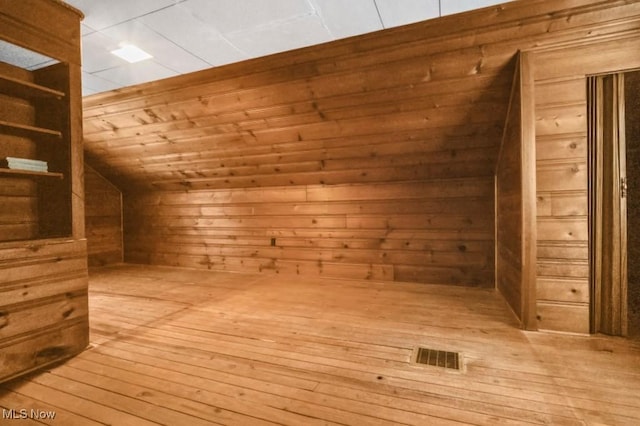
{"x":561,"y":142}
{"x":509,"y":205}
{"x":421,"y":105}
{"x":44,"y":313}
{"x":103,"y":219}
{"x":381,"y":178}
{"x":408,"y":231}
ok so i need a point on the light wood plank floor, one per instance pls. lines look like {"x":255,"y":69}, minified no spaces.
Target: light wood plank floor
{"x":182,"y":347}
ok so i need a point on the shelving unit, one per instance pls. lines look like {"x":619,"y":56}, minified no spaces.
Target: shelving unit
{"x":25,"y":89}
{"x":43,"y":276}
{"x":24,"y":130}
{"x":35,"y":124}
{"x":30,"y":173}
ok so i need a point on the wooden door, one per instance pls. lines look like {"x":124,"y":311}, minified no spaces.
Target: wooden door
{"x":608,"y":205}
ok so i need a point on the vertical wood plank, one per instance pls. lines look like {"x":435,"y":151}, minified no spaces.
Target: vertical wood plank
{"x":509,"y":238}
{"x":563,"y":178}
{"x":595,"y":130}
{"x":529,"y":190}
{"x":613,"y":224}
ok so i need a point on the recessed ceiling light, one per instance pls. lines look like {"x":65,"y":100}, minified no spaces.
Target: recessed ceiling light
{"x":131,"y":53}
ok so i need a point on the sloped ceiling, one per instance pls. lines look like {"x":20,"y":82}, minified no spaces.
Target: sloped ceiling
{"x":410,"y":103}
{"x":191,"y":35}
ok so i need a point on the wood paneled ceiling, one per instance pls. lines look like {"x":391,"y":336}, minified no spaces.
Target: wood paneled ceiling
{"x":370,"y":142}
{"x":412,"y":103}
{"x":424,"y":101}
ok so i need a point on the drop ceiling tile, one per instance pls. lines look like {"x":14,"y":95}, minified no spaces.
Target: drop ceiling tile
{"x":451,"y":7}
{"x":96,"y":52}
{"x":401,"y":12}
{"x":21,"y":57}
{"x":188,"y":35}
{"x":289,"y":35}
{"x":86,"y":30}
{"x":232,"y":15}
{"x":100,"y":14}
{"x":182,"y":28}
{"x":164,"y":51}
{"x":348,"y":18}
{"x":140,"y":72}
{"x":94,"y":84}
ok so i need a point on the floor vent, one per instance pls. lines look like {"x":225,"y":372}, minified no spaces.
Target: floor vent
{"x":438,"y":358}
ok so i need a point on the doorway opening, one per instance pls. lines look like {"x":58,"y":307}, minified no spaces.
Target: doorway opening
{"x":614,"y":202}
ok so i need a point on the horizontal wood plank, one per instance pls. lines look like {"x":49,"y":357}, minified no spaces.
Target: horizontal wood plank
{"x":230,"y":348}
{"x":321,"y":150}
{"x":103,"y":220}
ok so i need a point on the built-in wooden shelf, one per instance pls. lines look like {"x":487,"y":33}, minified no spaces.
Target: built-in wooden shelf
{"x":41,"y":119}
{"x":26,"y":89}
{"x":30,"y":173}
{"x":29,"y":131}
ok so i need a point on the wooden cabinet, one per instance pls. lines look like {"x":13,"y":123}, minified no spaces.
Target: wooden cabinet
{"x":43,"y":254}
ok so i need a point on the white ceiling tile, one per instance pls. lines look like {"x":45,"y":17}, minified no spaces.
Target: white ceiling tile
{"x":86,"y":91}
{"x":232,"y":15}
{"x":86,"y":30}
{"x":401,"y":12}
{"x":348,"y":18}
{"x":288,"y":35}
{"x":21,"y":57}
{"x":100,"y":14}
{"x":96,"y":52}
{"x":140,"y":72}
{"x":95,"y":84}
{"x":189,"y":35}
{"x":450,"y":7}
{"x":164,"y":51}
{"x":182,"y":28}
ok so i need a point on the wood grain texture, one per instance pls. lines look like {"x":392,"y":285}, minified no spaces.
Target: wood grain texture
{"x":509,"y":204}
{"x":18,"y":197}
{"x":529,"y":189}
{"x":57,"y":216}
{"x":229,"y":348}
{"x":22,"y":25}
{"x":103,"y":219}
{"x":632,"y":109}
{"x":562,"y":175}
{"x":43,"y":254}
{"x":44,"y":313}
{"x":308,"y":127}
{"x":408,"y":231}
